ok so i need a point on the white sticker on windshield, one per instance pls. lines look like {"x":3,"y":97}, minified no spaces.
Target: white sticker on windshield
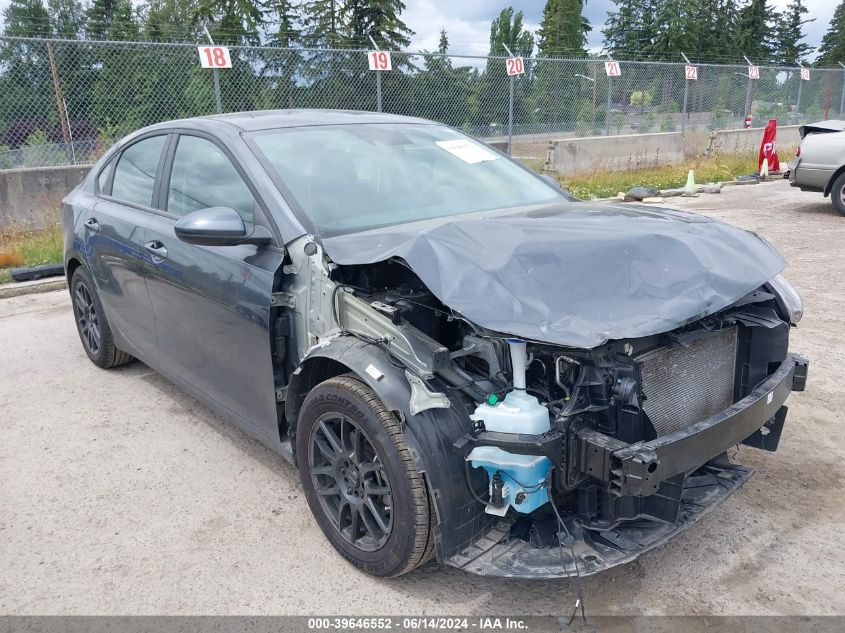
{"x":468,"y":151}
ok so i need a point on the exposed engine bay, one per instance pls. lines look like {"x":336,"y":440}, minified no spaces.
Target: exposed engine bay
{"x":563,"y":460}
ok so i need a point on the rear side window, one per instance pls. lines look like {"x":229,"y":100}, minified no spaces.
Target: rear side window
{"x":135,"y":173}
{"x":203,"y":177}
{"x":103,"y":178}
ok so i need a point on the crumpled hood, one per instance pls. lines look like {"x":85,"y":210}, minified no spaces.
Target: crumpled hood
{"x":574,"y":274}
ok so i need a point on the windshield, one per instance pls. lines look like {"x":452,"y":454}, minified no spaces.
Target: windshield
{"x":349,"y":178}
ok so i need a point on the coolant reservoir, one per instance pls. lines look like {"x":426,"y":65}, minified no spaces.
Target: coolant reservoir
{"x":519,"y":412}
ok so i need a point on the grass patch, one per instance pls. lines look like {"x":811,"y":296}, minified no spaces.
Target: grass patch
{"x":606,"y":184}
{"x":18,"y":248}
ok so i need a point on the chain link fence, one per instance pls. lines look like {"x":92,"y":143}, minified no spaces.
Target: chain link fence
{"x":67,"y":101}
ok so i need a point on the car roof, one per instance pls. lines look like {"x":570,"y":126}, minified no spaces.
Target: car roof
{"x":274,"y":119}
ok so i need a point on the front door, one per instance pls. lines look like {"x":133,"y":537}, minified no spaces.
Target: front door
{"x":212,"y":303}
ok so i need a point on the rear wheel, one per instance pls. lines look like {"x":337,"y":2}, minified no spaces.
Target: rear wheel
{"x":837,"y":193}
{"x":92,"y":324}
{"x":360,"y":480}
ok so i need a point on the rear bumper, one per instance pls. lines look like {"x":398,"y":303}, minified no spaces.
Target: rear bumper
{"x":684,"y":471}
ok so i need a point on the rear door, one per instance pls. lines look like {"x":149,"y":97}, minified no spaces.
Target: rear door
{"x":115,"y":228}
{"x":212,"y":303}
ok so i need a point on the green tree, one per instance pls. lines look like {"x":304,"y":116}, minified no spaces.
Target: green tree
{"x":378,"y":19}
{"x":441,"y":91}
{"x":629,"y":31}
{"x":832,"y":49}
{"x":322,"y":22}
{"x":563,"y":31}
{"x":715,"y":24}
{"x":755,"y":32}
{"x":99,"y":18}
{"x":789,"y":30}
{"x":507,"y":30}
{"x":67,"y":18}
{"x":26,"y":18}
{"x":171,"y":20}
{"x":230,"y":21}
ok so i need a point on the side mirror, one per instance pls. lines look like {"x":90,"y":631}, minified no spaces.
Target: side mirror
{"x":219,"y":226}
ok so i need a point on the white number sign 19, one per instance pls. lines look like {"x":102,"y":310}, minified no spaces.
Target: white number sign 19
{"x":515,"y":66}
{"x":691,"y":72}
{"x":805,"y":74}
{"x":214,"y":57}
{"x":380,"y":60}
{"x":754,"y":72}
{"x":611,"y":69}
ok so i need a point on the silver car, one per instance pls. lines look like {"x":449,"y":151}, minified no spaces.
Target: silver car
{"x":819,"y":164}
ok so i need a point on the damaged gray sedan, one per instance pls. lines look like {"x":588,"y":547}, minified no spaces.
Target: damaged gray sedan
{"x":461,"y":360}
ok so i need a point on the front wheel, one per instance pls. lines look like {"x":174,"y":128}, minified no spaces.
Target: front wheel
{"x":360,"y":479}
{"x":837,"y":193}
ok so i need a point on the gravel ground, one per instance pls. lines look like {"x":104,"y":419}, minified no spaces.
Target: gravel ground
{"x":121,"y":495}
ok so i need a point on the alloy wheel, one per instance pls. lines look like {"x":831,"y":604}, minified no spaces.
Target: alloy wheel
{"x":87,"y":318}
{"x":351,"y":482}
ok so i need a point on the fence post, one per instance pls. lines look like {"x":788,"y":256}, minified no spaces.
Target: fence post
{"x":378,"y":78}
{"x":215,"y":73}
{"x":842,"y":99}
{"x":510,"y":118}
{"x":57,"y":87}
{"x":686,"y":96}
{"x":800,"y":88}
{"x":607,"y":112}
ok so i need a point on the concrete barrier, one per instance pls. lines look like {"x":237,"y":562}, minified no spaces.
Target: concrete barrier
{"x":615,"y":153}
{"x":742,"y":141}
{"x":30,"y":199}
{"x":637,"y":151}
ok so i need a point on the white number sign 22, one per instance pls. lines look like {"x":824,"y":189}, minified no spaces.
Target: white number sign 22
{"x":380,"y":60}
{"x":214,"y":57}
{"x":692,"y":72}
{"x":515,"y":66}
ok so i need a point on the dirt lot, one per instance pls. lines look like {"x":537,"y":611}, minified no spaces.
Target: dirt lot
{"x":121,"y":495}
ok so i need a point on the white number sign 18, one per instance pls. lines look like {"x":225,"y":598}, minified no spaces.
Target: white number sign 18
{"x":611,"y":69}
{"x":691,"y":72}
{"x":214,"y":57}
{"x":515,"y":66}
{"x":754,"y":72}
{"x":380,"y":60}
{"x":805,"y":74}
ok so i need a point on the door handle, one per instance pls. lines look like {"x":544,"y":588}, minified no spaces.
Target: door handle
{"x":92,"y":225}
{"x":157,"y":249}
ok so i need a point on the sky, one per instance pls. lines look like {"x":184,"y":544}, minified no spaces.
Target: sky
{"x":467,"y":22}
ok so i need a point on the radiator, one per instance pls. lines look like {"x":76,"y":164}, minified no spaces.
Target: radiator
{"x":684,"y":385}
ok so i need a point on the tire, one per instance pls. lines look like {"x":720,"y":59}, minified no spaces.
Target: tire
{"x":92,"y":324}
{"x":350,"y":452}
{"x":837,"y":194}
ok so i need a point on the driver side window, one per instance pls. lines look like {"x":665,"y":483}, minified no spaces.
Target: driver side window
{"x":203,"y":177}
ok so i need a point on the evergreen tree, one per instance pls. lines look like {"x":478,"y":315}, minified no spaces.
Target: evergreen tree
{"x":832,"y":49}
{"x":715,"y":24}
{"x":630,"y":31}
{"x":26,"y":18}
{"x":67,"y":18}
{"x":755,"y":32}
{"x":322,"y":23}
{"x":789,"y":31}
{"x":171,"y":21}
{"x":441,"y":92}
{"x":99,"y":18}
{"x":378,"y":19}
{"x":230,"y":21}
{"x":563,"y":31}
{"x":284,"y":18}
{"x":508,"y":30}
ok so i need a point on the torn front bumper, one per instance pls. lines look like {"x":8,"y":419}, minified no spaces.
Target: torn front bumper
{"x":685,"y":470}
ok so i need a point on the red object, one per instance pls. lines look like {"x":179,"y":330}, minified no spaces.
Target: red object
{"x":768,"y":148}
{"x":748,"y":122}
